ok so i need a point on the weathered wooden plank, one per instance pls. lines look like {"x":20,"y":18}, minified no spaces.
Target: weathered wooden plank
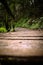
{"x":22,"y":33}
{"x":21,"y":47}
{"x":22,"y":43}
{"x":23,"y":38}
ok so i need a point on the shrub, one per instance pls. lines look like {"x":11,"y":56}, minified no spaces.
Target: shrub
{"x":3,"y":29}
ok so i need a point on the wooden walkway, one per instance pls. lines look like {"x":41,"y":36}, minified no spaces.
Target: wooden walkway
{"x":22,"y":43}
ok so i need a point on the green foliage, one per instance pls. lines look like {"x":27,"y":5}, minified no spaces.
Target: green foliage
{"x":23,"y":11}
{"x":34,"y":26}
{"x":24,"y":22}
{"x":3,"y":29}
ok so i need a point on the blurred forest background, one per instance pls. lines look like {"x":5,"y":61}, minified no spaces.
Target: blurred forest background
{"x":27,"y":14}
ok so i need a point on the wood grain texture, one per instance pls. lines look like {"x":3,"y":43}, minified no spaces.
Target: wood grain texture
{"x":22,"y":43}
